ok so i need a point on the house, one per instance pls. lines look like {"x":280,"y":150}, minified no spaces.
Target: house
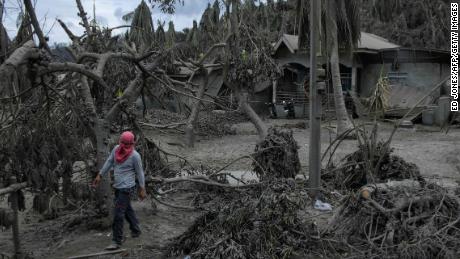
{"x":411,"y":72}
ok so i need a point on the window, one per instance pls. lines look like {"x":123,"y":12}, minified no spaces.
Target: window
{"x":346,"y":81}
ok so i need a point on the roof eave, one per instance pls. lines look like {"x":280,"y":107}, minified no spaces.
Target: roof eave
{"x":366,"y":50}
{"x":416,"y":49}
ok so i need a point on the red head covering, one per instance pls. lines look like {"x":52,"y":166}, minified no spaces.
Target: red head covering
{"x":125,"y":148}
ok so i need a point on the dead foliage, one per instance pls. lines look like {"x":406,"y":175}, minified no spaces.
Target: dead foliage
{"x":209,"y":123}
{"x":276,"y":156}
{"x":372,"y":163}
{"x":6,"y":218}
{"x":353,"y":173}
{"x":379,"y":100}
{"x":258,"y":223}
{"x":159,"y":116}
{"x":298,"y":125}
{"x":219,"y":123}
{"x":404,"y":223}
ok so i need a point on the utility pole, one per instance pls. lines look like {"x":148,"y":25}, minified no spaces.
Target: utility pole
{"x":315,"y":100}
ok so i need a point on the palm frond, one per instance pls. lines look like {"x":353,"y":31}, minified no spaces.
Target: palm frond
{"x":128,"y":17}
{"x":348,"y":22}
{"x":215,"y":12}
{"x":342,"y":14}
{"x":303,"y":12}
{"x":170,"y":35}
{"x":167,"y":6}
{"x":379,"y":101}
{"x":142,"y":32}
{"x":386,"y":10}
{"x":160,"y":34}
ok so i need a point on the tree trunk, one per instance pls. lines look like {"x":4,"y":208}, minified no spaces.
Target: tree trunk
{"x":100,"y":133}
{"x":189,"y":129}
{"x":343,"y":122}
{"x":255,"y":119}
{"x":129,"y":95}
{"x":4,"y":40}
{"x":33,"y":18}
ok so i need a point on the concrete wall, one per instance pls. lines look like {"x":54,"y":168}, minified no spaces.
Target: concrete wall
{"x":422,"y":76}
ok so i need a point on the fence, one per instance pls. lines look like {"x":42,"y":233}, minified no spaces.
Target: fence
{"x":13,"y":189}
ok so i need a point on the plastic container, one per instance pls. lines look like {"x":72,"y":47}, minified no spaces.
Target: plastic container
{"x":441,"y":113}
{"x":428,"y":116}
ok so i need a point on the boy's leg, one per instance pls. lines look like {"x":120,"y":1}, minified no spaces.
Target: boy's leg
{"x":133,"y":222}
{"x":130,"y":216}
{"x":121,"y":204}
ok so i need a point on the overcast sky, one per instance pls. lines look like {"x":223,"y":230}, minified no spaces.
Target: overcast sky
{"x":108,"y":13}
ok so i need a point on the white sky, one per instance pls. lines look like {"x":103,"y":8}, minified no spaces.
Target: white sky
{"x":108,"y":13}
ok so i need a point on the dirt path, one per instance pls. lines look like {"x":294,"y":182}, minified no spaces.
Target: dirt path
{"x":436,"y":153}
{"x":48,"y":239}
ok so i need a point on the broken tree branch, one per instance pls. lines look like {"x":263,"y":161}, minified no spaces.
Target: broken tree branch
{"x":33,"y":18}
{"x":72,"y":37}
{"x":171,"y":205}
{"x":13,"y":188}
{"x":72,"y":67}
{"x":199,"y":179}
{"x":82,"y":14}
{"x":129,"y":95}
{"x":21,"y":55}
{"x":162,"y":126}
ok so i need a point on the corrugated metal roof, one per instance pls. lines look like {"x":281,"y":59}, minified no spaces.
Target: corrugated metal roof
{"x":368,"y":41}
{"x":374,"y":42}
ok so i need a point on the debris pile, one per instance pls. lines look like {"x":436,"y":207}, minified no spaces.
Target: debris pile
{"x":219,"y":123}
{"x":209,"y":123}
{"x":260,"y":223}
{"x":159,"y":116}
{"x":418,"y":222}
{"x":356,"y":168}
{"x":277,"y":156}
